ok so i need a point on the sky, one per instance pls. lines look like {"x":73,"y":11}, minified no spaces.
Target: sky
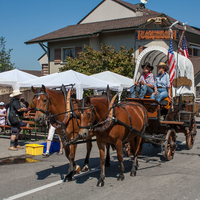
{"x":23,"y":20}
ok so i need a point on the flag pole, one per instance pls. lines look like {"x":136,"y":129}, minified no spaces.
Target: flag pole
{"x":179,"y":46}
{"x":171,"y":37}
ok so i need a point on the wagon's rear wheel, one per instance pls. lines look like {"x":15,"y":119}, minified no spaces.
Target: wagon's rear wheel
{"x":170,"y":145}
{"x":190,"y":134}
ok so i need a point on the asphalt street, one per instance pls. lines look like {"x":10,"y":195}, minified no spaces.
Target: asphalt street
{"x":155,"y":179}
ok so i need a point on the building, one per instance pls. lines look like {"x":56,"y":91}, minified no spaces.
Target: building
{"x":117,"y":23}
{"x":33,"y":72}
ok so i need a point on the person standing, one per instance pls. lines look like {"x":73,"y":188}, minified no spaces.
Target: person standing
{"x":17,"y":112}
{"x":2,"y":112}
{"x":145,"y":84}
{"x":52,"y":130}
{"x":23,"y":103}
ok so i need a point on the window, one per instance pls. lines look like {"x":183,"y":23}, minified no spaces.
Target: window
{"x":61,"y":54}
{"x":193,"y":51}
{"x":67,"y":52}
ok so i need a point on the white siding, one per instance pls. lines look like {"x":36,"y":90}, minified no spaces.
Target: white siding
{"x":43,"y":60}
{"x":108,"y":10}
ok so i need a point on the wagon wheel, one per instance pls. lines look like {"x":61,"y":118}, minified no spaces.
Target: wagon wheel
{"x":170,"y":145}
{"x":190,"y":134}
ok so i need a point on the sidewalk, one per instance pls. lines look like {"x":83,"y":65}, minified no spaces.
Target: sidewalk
{"x":5,"y":143}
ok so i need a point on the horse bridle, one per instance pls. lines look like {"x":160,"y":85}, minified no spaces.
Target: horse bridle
{"x":48,"y":100}
{"x":91,"y":126}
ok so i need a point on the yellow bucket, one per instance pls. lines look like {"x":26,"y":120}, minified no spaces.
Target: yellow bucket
{"x":34,"y":149}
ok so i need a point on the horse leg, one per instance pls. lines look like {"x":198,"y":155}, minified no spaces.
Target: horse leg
{"x":118,"y":147}
{"x":70,"y":154}
{"x":89,"y":148}
{"x":101,"y":147}
{"x":107,"y":155}
{"x":136,"y":151}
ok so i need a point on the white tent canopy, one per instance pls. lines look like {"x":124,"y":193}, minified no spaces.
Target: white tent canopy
{"x":120,"y":80}
{"x":13,"y":77}
{"x":81,"y":82}
{"x":156,"y":54}
{"x":7,"y":82}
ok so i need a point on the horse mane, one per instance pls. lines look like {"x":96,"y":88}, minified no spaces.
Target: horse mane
{"x":54,"y":91}
{"x":80,"y":103}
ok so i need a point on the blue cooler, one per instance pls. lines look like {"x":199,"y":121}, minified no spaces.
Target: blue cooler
{"x":55,"y":146}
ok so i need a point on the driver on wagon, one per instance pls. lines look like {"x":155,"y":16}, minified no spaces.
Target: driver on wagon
{"x":145,"y":83}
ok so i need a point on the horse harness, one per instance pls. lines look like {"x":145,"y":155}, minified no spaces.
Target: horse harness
{"x":57,"y":123}
{"x":114,"y":120}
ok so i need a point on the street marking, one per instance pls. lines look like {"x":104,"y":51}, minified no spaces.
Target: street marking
{"x":47,"y":186}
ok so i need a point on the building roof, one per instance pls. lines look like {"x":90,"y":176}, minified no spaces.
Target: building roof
{"x":89,"y":29}
{"x":134,"y":7}
{"x":195,"y":61}
{"x":33,"y":72}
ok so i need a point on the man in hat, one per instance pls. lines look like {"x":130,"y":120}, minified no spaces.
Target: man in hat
{"x":162,"y":83}
{"x":145,"y":83}
{"x":15,"y":106}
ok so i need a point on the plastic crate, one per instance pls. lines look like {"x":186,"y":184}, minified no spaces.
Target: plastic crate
{"x":55,"y":146}
{"x":34,"y":149}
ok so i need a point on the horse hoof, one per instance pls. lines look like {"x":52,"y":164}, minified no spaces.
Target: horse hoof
{"x":67,"y":178}
{"x":133,"y":174}
{"x":78,"y":169}
{"x":120,"y":178}
{"x":64,"y":180}
{"x":100,"y":183}
{"x":85,"y":168}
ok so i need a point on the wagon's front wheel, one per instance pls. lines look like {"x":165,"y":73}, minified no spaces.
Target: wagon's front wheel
{"x":190,"y":134}
{"x":170,"y":145}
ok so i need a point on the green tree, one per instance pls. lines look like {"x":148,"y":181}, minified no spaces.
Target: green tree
{"x":91,"y":61}
{"x":5,"y":63}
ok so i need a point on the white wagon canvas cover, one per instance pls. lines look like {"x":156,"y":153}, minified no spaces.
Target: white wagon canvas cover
{"x":156,"y":54}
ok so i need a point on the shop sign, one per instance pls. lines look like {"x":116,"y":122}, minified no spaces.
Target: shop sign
{"x":155,"y":35}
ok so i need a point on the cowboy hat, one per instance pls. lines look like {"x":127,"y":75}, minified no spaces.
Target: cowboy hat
{"x":15,"y":93}
{"x":162,"y":64}
{"x":148,"y":65}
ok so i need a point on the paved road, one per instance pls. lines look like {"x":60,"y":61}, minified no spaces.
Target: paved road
{"x":156,"y":179}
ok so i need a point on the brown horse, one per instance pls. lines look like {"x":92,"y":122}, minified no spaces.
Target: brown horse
{"x":52,"y":101}
{"x":126,"y":114}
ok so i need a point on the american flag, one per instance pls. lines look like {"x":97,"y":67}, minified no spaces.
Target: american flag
{"x":171,"y":63}
{"x":183,"y":48}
